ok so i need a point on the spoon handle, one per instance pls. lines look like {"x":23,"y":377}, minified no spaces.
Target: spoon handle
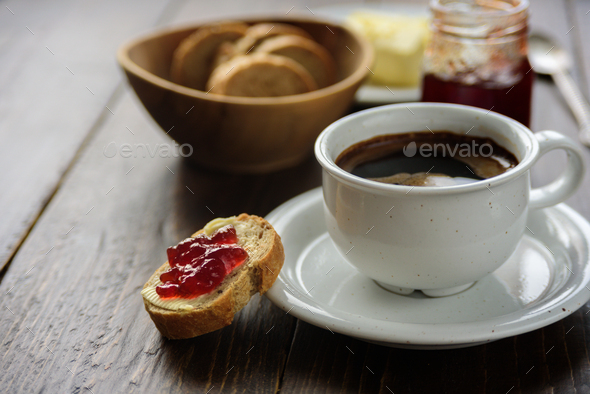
{"x":577,"y":102}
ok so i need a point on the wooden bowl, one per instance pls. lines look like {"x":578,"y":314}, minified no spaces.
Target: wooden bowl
{"x":245,"y":134}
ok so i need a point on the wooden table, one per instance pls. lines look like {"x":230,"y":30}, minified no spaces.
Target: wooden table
{"x":81,"y":231}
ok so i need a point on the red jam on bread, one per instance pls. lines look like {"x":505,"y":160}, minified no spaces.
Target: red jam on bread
{"x":198,"y":265}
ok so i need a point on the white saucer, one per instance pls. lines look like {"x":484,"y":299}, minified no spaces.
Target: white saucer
{"x":545,"y":280}
{"x":371,"y":94}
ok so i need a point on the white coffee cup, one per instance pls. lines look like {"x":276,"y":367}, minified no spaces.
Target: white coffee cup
{"x":436,"y":239}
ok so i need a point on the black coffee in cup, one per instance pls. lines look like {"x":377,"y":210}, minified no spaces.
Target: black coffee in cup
{"x":438,"y":158}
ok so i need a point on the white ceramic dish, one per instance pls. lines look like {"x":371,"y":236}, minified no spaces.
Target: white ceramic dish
{"x":369,"y":94}
{"x":545,"y":280}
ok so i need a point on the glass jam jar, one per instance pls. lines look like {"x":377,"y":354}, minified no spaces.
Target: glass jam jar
{"x":478,"y":56}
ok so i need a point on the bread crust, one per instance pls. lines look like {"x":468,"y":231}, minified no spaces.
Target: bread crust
{"x":181,"y":324}
{"x":259,"y":32}
{"x":254,"y":36}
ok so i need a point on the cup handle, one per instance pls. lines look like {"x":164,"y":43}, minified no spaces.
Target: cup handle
{"x":569,"y":181}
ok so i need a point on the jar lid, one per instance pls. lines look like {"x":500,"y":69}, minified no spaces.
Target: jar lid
{"x":480,"y":18}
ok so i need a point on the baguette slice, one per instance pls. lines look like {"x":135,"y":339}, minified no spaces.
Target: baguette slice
{"x":194,"y":57}
{"x":311,"y":55}
{"x":260,"y":75}
{"x":187,"y":318}
{"x":256,"y":34}
{"x":253,"y":37}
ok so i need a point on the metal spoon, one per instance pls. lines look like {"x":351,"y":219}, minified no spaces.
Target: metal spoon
{"x":546,"y":57}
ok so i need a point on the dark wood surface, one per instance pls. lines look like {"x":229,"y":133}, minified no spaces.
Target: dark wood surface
{"x":80,"y":232}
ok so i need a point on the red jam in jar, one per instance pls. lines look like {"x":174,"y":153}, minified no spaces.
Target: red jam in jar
{"x":510,"y":100}
{"x":198,"y":265}
{"x":477,"y":56}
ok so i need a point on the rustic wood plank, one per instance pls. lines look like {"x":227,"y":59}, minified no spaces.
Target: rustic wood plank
{"x":518,"y":364}
{"x":59,"y":73}
{"x":102,"y":235}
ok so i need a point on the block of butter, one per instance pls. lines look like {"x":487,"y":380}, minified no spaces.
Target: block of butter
{"x":399,"y":42}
